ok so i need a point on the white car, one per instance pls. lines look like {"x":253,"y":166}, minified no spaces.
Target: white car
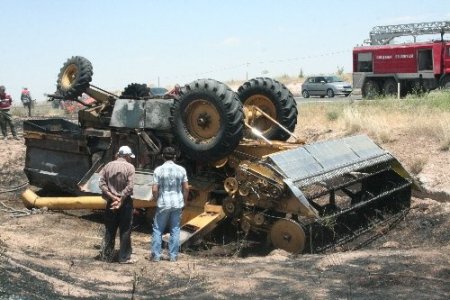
{"x":325,"y":86}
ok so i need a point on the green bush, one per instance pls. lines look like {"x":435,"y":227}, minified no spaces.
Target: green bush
{"x":332,"y":115}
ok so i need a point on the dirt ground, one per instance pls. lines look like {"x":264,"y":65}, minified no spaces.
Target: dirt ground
{"x":49,"y":255}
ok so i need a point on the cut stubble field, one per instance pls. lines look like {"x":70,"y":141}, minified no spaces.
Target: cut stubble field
{"x":46,"y":255}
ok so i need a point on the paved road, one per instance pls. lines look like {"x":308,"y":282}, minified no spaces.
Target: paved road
{"x":301,"y":100}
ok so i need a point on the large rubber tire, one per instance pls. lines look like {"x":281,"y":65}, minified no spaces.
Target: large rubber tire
{"x":136,"y":91}
{"x":370,"y":89}
{"x":390,"y":88}
{"x":74,"y":77}
{"x":207,"y":120}
{"x":274,"y":99}
{"x":446,"y":83}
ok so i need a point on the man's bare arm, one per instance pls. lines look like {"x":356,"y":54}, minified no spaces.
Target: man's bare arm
{"x":185,"y":191}
{"x":155,"y":192}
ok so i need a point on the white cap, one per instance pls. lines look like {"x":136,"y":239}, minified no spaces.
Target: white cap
{"x":125,"y":150}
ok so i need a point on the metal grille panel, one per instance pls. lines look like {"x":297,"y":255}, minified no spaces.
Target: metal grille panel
{"x":330,"y":156}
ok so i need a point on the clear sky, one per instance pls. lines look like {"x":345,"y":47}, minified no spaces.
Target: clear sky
{"x":179,"y":41}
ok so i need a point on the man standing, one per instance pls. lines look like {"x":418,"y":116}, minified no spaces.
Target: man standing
{"x":116,"y":183}
{"x":171,"y":190}
{"x":25,"y":97}
{"x":5,"y":116}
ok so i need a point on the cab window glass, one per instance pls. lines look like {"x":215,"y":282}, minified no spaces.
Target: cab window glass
{"x":364,"y":62}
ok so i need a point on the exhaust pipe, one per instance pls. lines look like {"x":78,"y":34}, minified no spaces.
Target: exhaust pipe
{"x":30,"y":200}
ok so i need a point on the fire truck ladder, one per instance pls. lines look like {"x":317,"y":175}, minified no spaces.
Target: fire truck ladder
{"x":382,"y":35}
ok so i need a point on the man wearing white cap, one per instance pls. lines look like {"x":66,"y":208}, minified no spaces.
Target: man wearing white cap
{"x":116,"y":183}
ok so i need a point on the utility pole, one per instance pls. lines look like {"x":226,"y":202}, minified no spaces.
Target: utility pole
{"x":158,"y":82}
{"x":246,"y":72}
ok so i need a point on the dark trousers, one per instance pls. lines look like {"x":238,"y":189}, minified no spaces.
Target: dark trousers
{"x":121,"y":218}
{"x":6,"y":119}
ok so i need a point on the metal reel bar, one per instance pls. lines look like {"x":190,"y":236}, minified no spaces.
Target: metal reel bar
{"x":349,"y":223}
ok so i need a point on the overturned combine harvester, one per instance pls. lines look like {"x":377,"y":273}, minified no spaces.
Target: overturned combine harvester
{"x":233,"y":145}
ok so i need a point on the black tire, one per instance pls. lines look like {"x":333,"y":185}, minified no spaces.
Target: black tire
{"x":136,"y":91}
{"x":305,"y":94}
{"x":276,"y":101}
{"x":207,"y":120}
{"x":322,"y":96}
{"x":390,"y":88}
{"x":330,"y":93}
{"x":446,"y":83}
{"x":74,"y":77}
{"x":370,"y":89}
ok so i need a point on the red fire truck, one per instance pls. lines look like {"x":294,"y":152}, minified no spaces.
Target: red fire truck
{"x":418,"y":66}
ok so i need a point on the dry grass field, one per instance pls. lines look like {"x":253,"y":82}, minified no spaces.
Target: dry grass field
{"x":427,"y":116}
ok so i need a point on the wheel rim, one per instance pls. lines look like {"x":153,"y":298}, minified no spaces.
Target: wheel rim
{"x":288,"y":235}
{"x":267,"y":106}
{"x":305,"y":94}
{"x":231,"y":185}
{"x":229,"y":206}
{"x":202,"y":120}
{"x":69,"y":76}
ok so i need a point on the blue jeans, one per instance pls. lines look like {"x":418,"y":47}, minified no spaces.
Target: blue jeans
{"x":164,"y":217}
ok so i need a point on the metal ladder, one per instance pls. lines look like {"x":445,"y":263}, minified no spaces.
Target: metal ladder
{"x":382,"y":35}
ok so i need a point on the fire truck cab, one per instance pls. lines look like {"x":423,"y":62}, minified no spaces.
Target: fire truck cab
{"x":419,"y":66}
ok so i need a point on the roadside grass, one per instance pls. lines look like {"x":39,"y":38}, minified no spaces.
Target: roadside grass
{"x":443,"y":132}
{"x":417,"y":165}
{"x":332,"y":115}
{"x":428,"y":115}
